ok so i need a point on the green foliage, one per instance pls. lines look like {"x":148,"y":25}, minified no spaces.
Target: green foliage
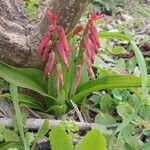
{"x":41,"y":133}
{"x":94,"y":140}
{"x":104,"y":119}
{"x":111,"y":82}
{"x":14,"y":93}
{"x":59,"y":139}
{"x":10,"y":136}
{"x":26,"y":78}
{"x":31,"y":7}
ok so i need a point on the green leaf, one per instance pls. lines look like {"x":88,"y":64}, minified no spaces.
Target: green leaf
{"x":26,"y":101}
{"x":10,"y":135}
{"x":2,"y":129}
{"x":117,"y":50}
{"x":138,"y":54}
{"x":57,"y":110}
{"x":59,"y":139}
{"x":119,"y":81}
{"x":106,"y":102}
{"x":7,"y":145}
{"x":104,"y":119}
{"x":41,"y":133}
{"x":26,"y":78}
{"x":94,"y":140}
{"x":14,"y":94}
{"x":124,"y":110}
{"x":142,"y":66}
{"x":29,"y":137}
{"x":118,"y":35}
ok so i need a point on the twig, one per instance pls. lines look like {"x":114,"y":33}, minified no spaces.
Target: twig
{"x":35,"y":124}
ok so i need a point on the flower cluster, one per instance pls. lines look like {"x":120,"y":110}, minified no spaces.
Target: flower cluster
{"x":90,"y":41}
{"x":47,"y":46}
{"x":55,"y":41}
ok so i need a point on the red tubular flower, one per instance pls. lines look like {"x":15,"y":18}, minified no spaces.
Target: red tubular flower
{"x":77,"y":29}
{"x":62,"y":38}
{"x":52,"y":16}
{"x":88,"y":66}
{"x":89,"y":47}
{"x":50,"y":64}
{"x":47,"y":50}
{"x":94,"y":42}
{"x":78,"y":74}
{"x":62,"y":53}
{"x":60,"y":74}
{"x":95,"y":35}
{"x":43,"y":42}
{"x":86,"y":45}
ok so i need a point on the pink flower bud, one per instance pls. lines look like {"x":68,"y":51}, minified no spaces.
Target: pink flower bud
{"x":78,"y":74}
{"x":77,"y":29}
{"x":60,"y":74}
{"x":62,"y":53}
{"x":88,"y":66}
{"x":62,"y":38}
{"x":95,"y":35}
{"x":43,"y":42}
{"x":47,"y":50}
{"x":50,"y":64}
{"x":52,"y":16}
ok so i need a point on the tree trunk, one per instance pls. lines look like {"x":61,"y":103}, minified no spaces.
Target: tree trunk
{"x":19,"y":36}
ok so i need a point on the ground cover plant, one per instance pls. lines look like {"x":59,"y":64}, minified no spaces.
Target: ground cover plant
{"x":113,"y":105}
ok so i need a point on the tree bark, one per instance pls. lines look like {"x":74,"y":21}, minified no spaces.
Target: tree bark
{"x":19,"y":37}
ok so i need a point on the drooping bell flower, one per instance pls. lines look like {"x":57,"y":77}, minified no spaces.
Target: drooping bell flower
{"x":62,"y":53}
{"x":88,"y":66}
{"x":43,"y":42}
{"x":78,"y":74}
{"x":52,"y":16}
{"x":77,"y":29}
{"x":60,"y":74}
{"x":62,"y":38}
{"x":50,"y":64}
{"x":47,"y":50}
{"x":95,"y":35}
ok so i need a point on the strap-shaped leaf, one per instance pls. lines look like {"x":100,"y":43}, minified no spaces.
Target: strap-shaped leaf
{"x":26,"y":78}
{"x":110,"y":82}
